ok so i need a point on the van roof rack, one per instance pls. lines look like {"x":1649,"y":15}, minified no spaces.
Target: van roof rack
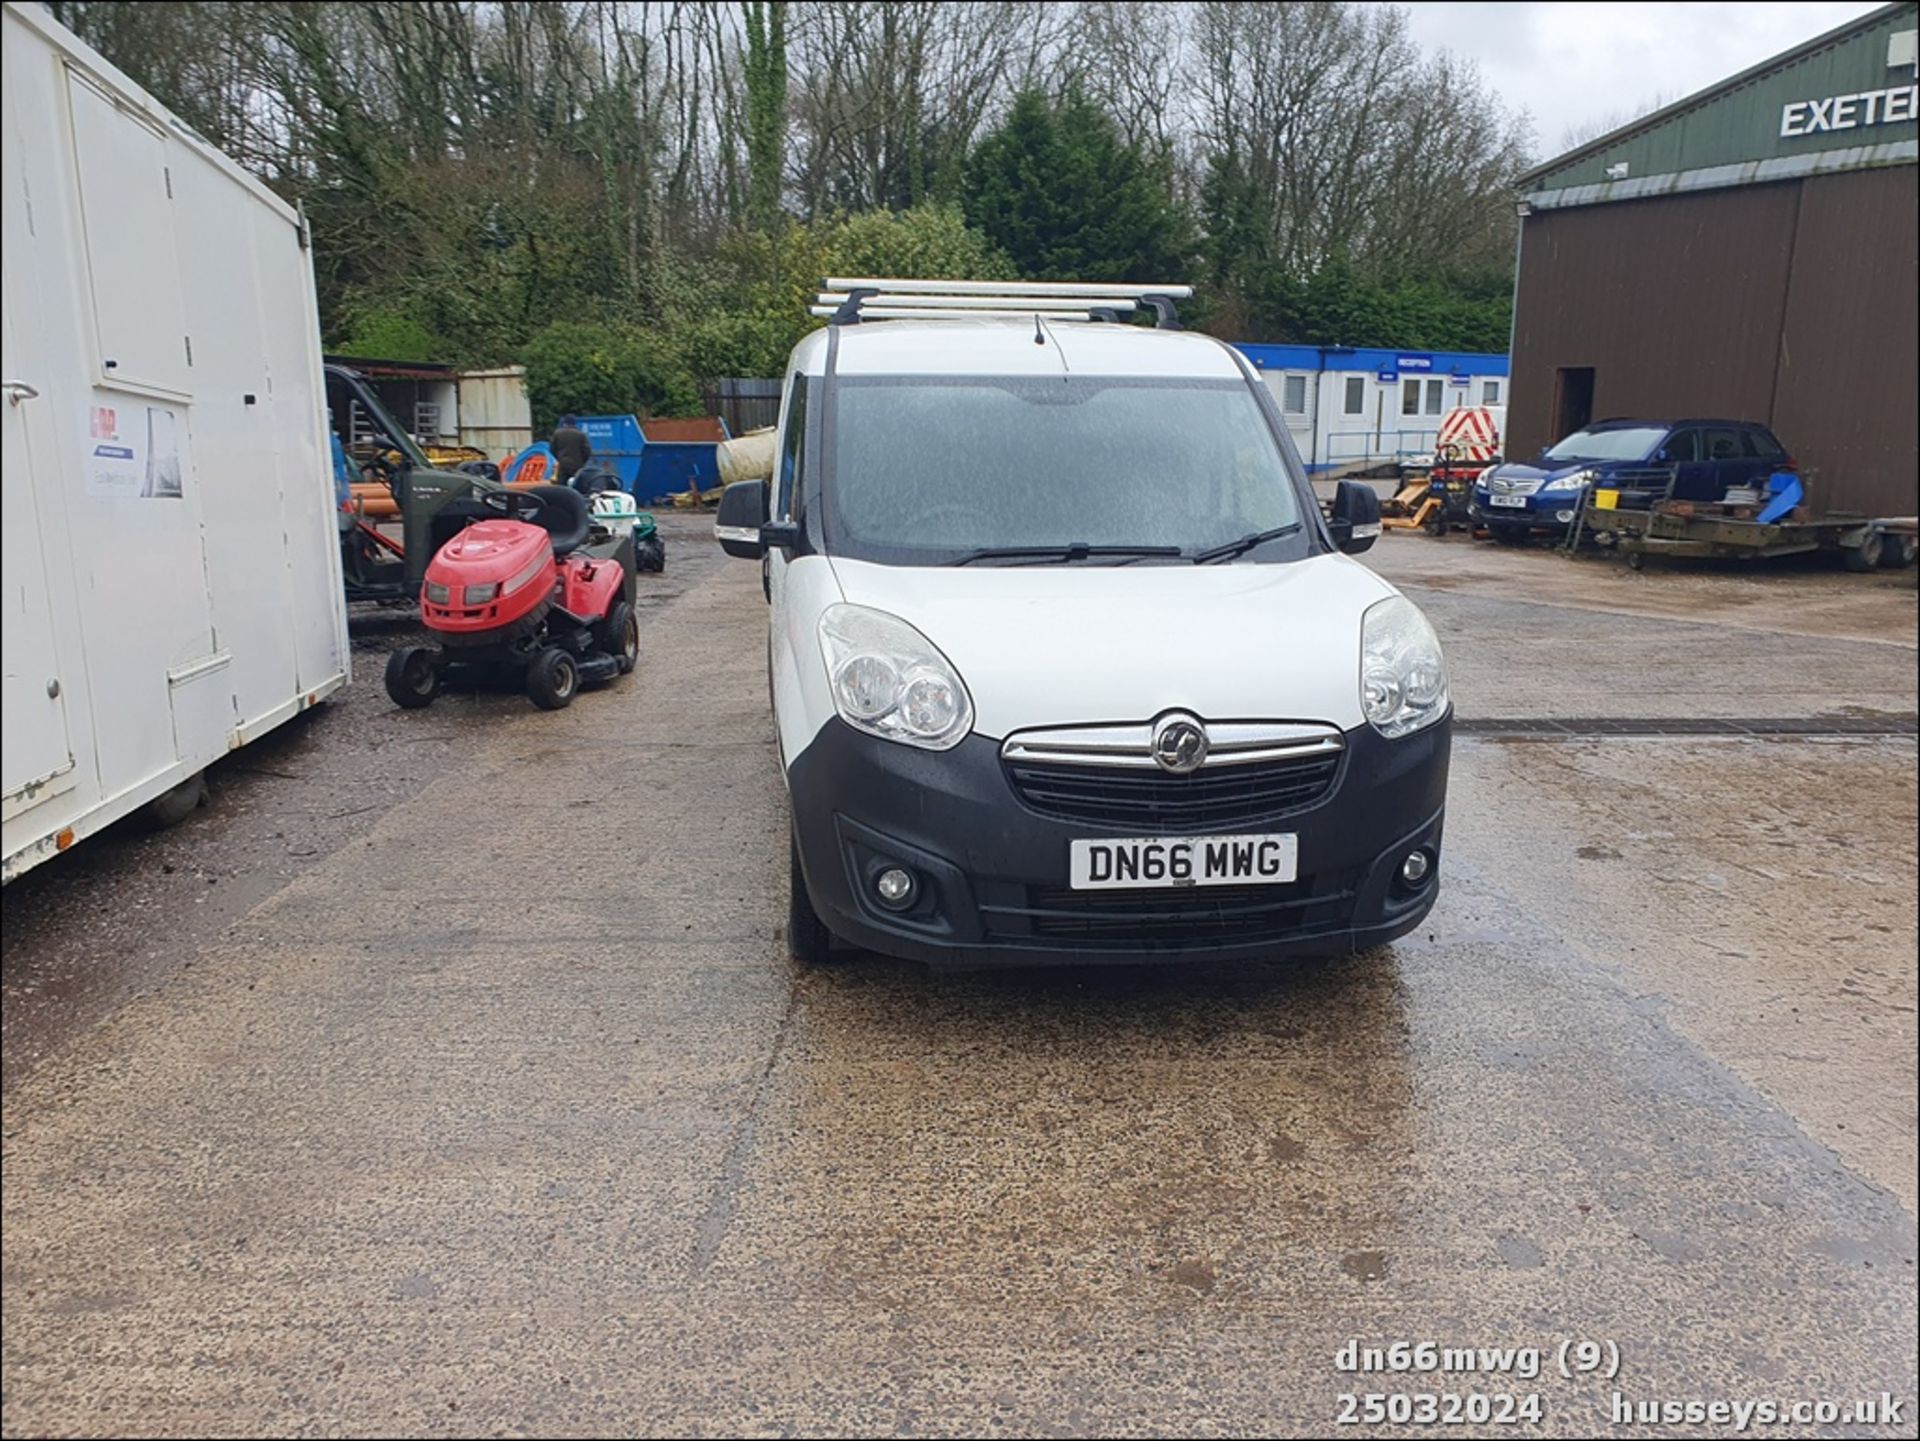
{"x":850,"y":301}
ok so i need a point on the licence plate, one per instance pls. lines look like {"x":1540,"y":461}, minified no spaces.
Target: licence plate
{"x":1519,"y":501}
{"x":1160,"y":862}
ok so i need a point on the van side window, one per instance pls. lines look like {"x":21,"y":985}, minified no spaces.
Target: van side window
{"x":793,"y":448}
{"x":1762,"y":444}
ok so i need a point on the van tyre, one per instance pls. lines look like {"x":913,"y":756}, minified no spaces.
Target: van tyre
{"x":553,"y":679}
{"x":619,"y":636}
{"x":808,"y":939}
{"x":413,"y":677}
{"x":1897,"y":552}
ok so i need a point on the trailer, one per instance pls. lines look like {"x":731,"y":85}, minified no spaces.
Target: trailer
{"x":1862,"y":542}
{"x":172,"y":569}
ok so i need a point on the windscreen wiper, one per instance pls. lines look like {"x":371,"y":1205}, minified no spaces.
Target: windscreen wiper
{"x":1243,"y":545}
{"x":1078,"y":550}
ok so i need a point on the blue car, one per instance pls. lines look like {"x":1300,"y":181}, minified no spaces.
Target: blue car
{"x":1702,"y":459}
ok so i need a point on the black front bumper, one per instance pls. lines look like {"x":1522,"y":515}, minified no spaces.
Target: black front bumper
{"x":993,"y":873}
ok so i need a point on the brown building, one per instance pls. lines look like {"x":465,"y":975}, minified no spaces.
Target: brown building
{"x":1747,"y":253}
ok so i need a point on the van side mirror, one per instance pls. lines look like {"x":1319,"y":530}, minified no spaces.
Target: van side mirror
{"x":1355,"y":519}
{"x":743,"y":510}
{"x":1663,"y":456}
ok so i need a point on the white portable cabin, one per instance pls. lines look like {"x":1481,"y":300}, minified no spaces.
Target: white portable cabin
{"x":1352,"y":408}
{"x":172,"y":569}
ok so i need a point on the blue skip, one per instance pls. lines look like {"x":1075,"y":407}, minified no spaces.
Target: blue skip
{"x":649,"y":470}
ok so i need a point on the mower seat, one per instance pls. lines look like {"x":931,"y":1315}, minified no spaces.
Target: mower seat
{"x":592,"y":478}
{"x":564,"y":514}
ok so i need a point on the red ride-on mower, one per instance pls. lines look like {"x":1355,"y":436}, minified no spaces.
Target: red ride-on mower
{"x":538,"y":597}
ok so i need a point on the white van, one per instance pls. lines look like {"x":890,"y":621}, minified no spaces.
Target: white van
{"x":1066,"y":664}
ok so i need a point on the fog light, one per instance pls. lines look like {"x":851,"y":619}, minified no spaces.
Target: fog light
{"x":1414,"y":869}
{"x":895,"y":888}
{"x":1565,"y":517}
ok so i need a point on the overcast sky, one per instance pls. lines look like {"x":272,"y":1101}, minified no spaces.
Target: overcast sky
{"x":1574,"y":64}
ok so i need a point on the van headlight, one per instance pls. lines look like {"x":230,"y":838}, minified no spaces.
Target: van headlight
{"x":1403,"y":675}
{"x":891,"y":681}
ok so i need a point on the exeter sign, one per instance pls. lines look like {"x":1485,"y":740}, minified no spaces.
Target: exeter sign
{"x":1893,"y":106}
{"x":1850,"y":112}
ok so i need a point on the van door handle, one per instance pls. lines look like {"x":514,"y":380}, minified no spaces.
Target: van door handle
{"x":18,"y":390}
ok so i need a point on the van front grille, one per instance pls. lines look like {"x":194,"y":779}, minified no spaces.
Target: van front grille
{"x":1150,"y":801}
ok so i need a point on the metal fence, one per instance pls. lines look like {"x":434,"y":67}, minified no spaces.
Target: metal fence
{"x":1345,"y":447}
{"x":743,"y":404}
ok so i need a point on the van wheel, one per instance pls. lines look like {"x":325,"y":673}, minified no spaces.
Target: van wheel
{"x":808,"y":939}
{"x":171,"y":807}
{"x":1897,"y":552}
{"x":552,"y":679}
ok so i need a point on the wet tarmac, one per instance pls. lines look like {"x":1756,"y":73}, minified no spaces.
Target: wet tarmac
{"x":503,"y":1111}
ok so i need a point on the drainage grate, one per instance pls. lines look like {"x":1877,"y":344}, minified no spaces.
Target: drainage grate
{"x":1594,"y":727}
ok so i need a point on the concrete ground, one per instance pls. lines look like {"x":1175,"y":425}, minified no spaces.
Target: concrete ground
{"x":476,"y":1093}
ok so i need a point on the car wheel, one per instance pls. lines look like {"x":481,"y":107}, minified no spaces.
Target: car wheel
{"x":808,"y":939}
{"x":553,"y":679}
{"x":413,"y":676}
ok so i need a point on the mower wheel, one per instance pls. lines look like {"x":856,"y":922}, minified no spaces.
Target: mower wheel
{"x":808,"y":939}
{"x":413,"y":676}
{"x":619,"y":636}
{"x":553,"y":679}
{"x":1435,"y":524}
{"x":650,"y":554}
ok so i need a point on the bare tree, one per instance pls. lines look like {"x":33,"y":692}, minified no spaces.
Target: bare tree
{"x":1578,"y":134}
{"x":1347,"y":141}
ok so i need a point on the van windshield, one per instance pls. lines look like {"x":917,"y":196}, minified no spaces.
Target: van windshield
{"x":936,"y":470}
{"x":1634,"y":442}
